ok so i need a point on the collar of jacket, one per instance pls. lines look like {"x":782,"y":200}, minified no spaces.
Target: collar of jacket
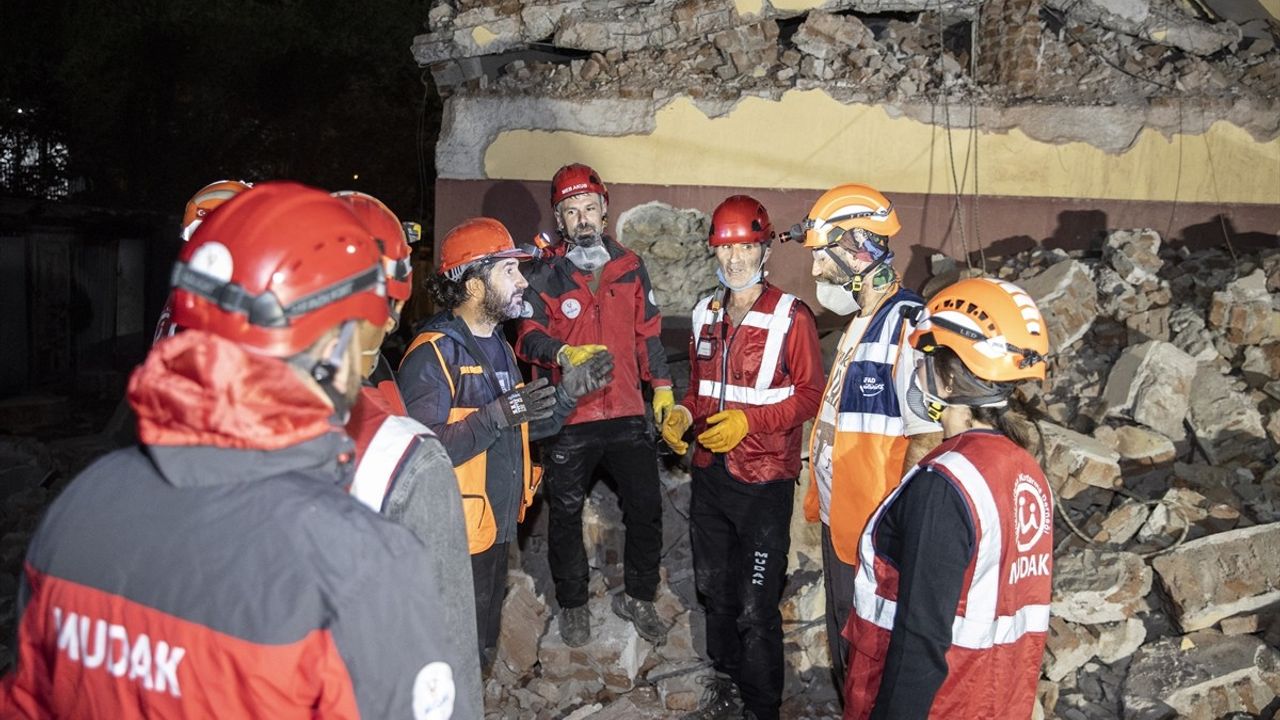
{"x":198,"y":389}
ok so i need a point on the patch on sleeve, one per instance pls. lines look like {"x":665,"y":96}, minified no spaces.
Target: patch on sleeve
{"x":433,"y":692}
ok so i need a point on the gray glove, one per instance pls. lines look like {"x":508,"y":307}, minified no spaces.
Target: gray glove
{"x":588,"y":376}
{"x":534,"y":401}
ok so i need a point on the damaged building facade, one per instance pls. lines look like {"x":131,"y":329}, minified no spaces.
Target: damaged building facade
{"x":1119,"y":158}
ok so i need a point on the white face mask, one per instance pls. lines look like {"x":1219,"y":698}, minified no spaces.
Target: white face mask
{"x":589,"y":259}
{"x":837,"y":298}
{"x":752,"y":281}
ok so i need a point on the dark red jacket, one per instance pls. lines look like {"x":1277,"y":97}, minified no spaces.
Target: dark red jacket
{"x":726,"y":374}
{"x":219,"y":570}
{"x":621,"y":314}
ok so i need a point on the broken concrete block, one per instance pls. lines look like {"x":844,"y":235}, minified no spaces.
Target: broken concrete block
{"x":1261,"y":364}
{"x":1096,"y":586}
{"x":1222,"y":575}
{"x":1240,"y":625}
{"x":1134,"y":254}
{"x":1243,"y":312}
{"x":524,"y":620}
{"x":1122,"y":523}
{"x":1067,"y":298}
{"x":1139,"y":446}
{"x":1150,"y":384}
{"x":1070,"y":646}
{"x":826,"y":36}
{"x":1202,"y":676}
{"x":1074,"y":461}
{"x":1226,"y":422}
{"x":1180,"y":507}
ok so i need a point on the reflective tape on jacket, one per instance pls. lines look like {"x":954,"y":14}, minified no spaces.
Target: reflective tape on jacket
{"x":382,"y":460}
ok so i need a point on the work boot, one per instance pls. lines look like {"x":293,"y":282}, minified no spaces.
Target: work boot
{"x":720,"y":700}
{"x":642,"y":614}
{"x":575,"y":626}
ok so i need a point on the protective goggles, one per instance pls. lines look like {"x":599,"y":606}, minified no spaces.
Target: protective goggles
{"x":928,"y":343}
{"x":835,"y":234}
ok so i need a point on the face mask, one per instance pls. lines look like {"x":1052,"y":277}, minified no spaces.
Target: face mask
{"x":589,"y":259}
{"x":837,"y":298}
{"x":926,"y":406}
{"x":751,"y":282}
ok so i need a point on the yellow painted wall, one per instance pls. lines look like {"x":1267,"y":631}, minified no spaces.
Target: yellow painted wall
{"x":808,"y":140}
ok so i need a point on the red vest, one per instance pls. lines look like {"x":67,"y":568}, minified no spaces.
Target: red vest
{"x":746,"y":368}
{"x":1002,"y":619}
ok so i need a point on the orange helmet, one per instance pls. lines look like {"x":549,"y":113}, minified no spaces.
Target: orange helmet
{"x":391,"y":236}
{"x":576,"y":179}
{"x":740,"y":219}
{"x":843,"y":208}
{"x":206,"y":200}
{"x":992,"y":325}
{"x":276,"y":268}
{"x":476,"y":239}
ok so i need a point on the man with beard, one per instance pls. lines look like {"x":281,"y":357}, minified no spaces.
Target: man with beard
{"x":459,"y":378}
{"x":863,"y":437}
{"x":594,"y":293}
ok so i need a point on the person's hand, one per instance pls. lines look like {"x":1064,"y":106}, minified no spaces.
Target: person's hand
{"x":674,"y":428}
{"x":588,"y":376}
{"x":520,"y":405}
{"x":663,"y":401}
{"x":724,"y":431}
{"x":570,"y":355}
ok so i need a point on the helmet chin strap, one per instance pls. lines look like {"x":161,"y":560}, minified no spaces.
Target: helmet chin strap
{"x":325,"y":370}
{"x":856,"y":279}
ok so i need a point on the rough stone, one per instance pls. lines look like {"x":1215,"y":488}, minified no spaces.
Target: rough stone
{"x":1070,"y":646}
{"x":1261,"y":364}
{"x":1091,"y":587}
{"x":1226,"y":423}
{"x":672,"y":242}
{"x":1222,"y":575}
{"x":1243,"y":311}
{"x":524,"y":620}
{"x":1150,"y":384}
{"x":1073,"y":462}
{"x":1140,"y":446}
{"x":1134,"y":254}
{"x":1201,"y":676}
{"x":1066,"y":296}
{"x":1123,"y":523}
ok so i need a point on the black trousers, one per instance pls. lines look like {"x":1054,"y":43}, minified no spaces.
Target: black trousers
{"x":741,"y":534}
{"x":489,"y":575}
{"x":627,"y":449}
{"x":837,"y":577}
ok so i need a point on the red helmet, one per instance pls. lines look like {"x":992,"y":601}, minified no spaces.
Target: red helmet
{"x":476,"y":239}
{"x":740,"y":219}
{"x":576,"y":179}
{"x":276,"y":268}
{"x":206,"y":199}
{"x":390,"y":234}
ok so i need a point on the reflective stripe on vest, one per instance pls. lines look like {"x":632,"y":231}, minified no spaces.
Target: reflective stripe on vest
{"x":381,"y":462}
{"x":777,"y":324}
{"x":979,"y":627}
{"x":883,"y":349}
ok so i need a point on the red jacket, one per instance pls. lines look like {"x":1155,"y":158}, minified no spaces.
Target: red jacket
{"x":1001,"y":621}
{"x":621,"y":314}
{"x":770,"y":367}
{"x":219,"y":570}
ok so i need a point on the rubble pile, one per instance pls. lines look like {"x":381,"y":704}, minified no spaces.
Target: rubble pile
{"x":1068,"y":52}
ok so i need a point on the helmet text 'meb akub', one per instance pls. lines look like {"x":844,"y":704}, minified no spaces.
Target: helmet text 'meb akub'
{"x":576,"y":179}
{"x":277,"y":267}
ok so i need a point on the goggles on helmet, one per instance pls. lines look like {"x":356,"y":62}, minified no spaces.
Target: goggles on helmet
{"x":928,"y":343}
{"x":836,"y":234}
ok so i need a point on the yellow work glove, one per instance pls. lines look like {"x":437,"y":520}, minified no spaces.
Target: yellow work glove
{"x":675,"y":426}
{"x":724,"y":431}
{"x":663,"y":400}
{"x":576,"y":354}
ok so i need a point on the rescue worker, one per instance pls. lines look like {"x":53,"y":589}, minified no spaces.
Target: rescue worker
{"x":592,"y":293}
{"x":402,"y":470}
{"x":460,"y":378}
{"x":206,"y":200}
{"x":953,"y":585}
{"x":755,"y":378}
{"x":863,"y":438}
{"x":219,"y":570}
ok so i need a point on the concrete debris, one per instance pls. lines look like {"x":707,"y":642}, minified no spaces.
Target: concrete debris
{"x":1096,"y":586}
{"x":1151,"y":384}
{"x":1222,"y":575}
{"x":673,"y":242}
{"x":1226,"y":422}
{"x":1245,"y":311}
{"x":1066,"y":296}
{"x":1201,"y":676}
{"x":1070,"y":645}
{"x":1074,"y":462}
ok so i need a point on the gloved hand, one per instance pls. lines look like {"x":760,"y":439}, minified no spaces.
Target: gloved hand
{"x":725,"y":430}
{"x":663,"y":401}
{"x":588,"y":376}
{"x":577,"y":354}
{"x":520,"y":405}
{"x":675,"y":426}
